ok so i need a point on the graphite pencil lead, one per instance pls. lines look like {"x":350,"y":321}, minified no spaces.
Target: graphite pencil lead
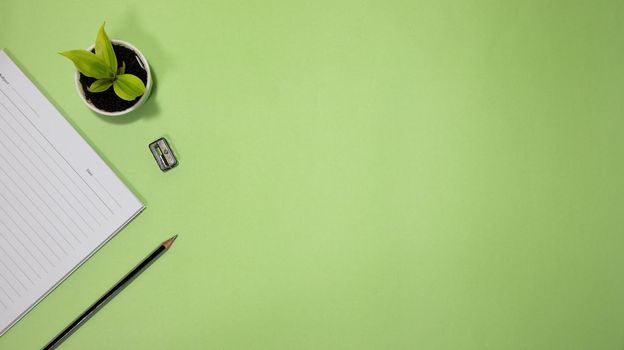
{"x":169,"y":242}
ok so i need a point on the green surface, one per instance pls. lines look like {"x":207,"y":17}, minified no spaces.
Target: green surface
{"x":353,"y":175}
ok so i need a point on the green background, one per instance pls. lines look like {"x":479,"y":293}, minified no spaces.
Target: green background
{"x":427,"y":174}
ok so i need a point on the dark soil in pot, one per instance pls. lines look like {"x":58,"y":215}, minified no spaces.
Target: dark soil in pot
{"x":108,"y":100}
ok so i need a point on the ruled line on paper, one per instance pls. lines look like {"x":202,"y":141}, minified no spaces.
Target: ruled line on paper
{"x":11,"y":286}
{"x":54,"y":148}
{"x":24,"y":101}
{"x":15,"y":249}
{"x":50,"y":171}
{"x":19,"y":280}
{"x":62,"y":209}
{"x":105,"y":190}
{"x":55,"y":175}
{"x":45,"y":150}
{"x":7,"y":294}
{"x":36,"y":231}
{"x":50,"y":210}
{"x":23,"y":235}
{"x":52,"y":217}
{"x":62,"y":196}
{"x":32,"y":231}
{"x":17,"y":266}
{"x":14,"y":292}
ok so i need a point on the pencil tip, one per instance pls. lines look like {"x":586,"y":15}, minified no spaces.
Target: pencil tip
{"x":169,"y":242}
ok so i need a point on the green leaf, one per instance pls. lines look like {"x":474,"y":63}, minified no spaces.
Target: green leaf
{"x":104,"y":49}
{"x":128,"y":87}
{"x":100,"y":85}
{"x":89,"y":64}
{"x":122,"y":69}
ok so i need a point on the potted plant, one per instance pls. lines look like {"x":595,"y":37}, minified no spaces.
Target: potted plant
{"x":113,"y":77}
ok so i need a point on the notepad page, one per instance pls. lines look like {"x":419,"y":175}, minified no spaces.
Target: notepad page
{"x":59,"y":202}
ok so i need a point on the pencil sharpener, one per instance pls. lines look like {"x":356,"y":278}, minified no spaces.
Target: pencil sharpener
{"x":163,"y":154}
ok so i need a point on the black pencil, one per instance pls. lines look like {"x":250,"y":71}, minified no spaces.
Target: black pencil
{"x":72,"y":327}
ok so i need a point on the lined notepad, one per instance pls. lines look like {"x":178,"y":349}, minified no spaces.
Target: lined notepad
{"x":59,"y":202}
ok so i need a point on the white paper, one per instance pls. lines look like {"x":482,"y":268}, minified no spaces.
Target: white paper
{"x":59,"y":202}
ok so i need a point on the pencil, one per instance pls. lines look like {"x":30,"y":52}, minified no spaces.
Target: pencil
{"x":84,"y":317}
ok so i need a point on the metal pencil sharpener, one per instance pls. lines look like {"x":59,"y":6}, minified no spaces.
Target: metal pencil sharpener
{"x":163,"y":154}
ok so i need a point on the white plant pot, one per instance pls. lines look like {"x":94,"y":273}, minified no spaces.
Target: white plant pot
{"x":142,"y":99}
